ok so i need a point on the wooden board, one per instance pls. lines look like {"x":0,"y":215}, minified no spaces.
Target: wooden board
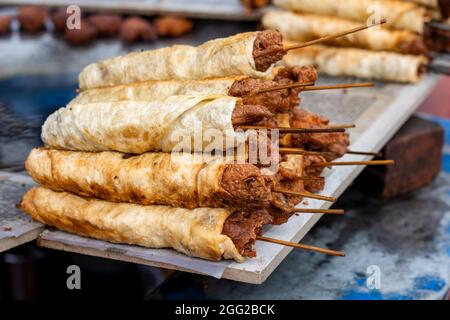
{"x":15,"y":227}
{"x":378,"y":113}
{"x":207,"y":9}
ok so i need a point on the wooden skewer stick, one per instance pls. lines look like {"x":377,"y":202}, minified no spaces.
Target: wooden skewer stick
{"x":305,"y":195}
{"x":286,"y":86}
{"x":333,"y":36}
{"x":301,"y":246}
{"x":324,"y":153}
{"x":339,"y":86}
{"x":341,"y":126}
{"x":308,"y":178}
{"x":302,"y":152}
{"x":322,"y":211}
{"x":354,"y":163}
{"x":297,"y":130}
{"x":305,"y":87}
{"x":364,"y":153}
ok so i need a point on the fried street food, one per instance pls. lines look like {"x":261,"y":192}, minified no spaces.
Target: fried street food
{"x":246,"y":54}
{"x":178,"y":179}
{"x":399,"y":15}
{"x":171,"y":26}
{"x":107,"y":25}
{"x":86,"y":34}
{"x":157,"y":125}
{"x":136,"y":29}
{"x":201,"y":232}
{"x":59,"y":19}
{"x":307,"y":27}
{"x":350,"y":62}
{"x":335,"y":143}
{"x":32,"y":18}
{"x":242,"y":87}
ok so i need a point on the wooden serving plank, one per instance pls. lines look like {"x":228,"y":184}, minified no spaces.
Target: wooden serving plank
{"x":16,"y":228}
{"x":204,"y":9}
{"x":378,"y":113}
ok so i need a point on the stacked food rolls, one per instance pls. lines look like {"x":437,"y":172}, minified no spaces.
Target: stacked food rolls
{"x":113,"y":168}
{"x":397,"y":51}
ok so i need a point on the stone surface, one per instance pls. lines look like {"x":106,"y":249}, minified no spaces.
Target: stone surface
{"x":13,"y":222}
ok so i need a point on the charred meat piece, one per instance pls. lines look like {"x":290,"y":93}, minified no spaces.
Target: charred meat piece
{"x":83,"y":36}
{"x":335,"y":143}
{"x":171,"y":26}
{"x":59,"y":19}
{"x":267,"y":49}
{"x":244,"y":227}
{"x":313,"y":185}
{"x":249,"y":114}
{"x":246,"y":187}
{"x":5,"y":24}
{"x":276,"y":101}
{"x":107,"y":25}
{"x":297,"y":74}
{"x":136,"y":29}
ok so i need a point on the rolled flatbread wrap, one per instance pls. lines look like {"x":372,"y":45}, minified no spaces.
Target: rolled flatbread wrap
{"x":399,"y":15}
{"x":153,"y":89}
{"x":173,"y":124}
{"x":238,"y":86}
{"x":196,"y":232}
{"x":307,"y":27}
{"x":180,"y":180}
{"x":250,"y":54}
{"x":387,"y":66}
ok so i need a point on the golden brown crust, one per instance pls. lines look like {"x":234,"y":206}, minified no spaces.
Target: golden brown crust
{"x":232,"y":56}
{"x":176,"y":179}
{"x":152,"y":89}
{"x":399,"y":15}
{"x":139,"y":126}
{"x":196,"y":233}
{"x":360,"y":63}
{"x":307,"y":27}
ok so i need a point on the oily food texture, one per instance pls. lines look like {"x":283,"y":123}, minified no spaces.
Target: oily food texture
{"x":335,"y":143}
{"x":307,"y":27}
{"x":249,"y":114}
{"x":196,"y":233}
{"x":244,"y":187}
{"x":279,"y":100}
{"x":399,"y":15}
{"x":137,"y":126}
{"x":232,"y":56}
{"x":287,"y":178}
{"x":150,"y":178}
{"x":238,"y":86}
{"x":268,"y":48}
{"x":360,"y":63}
{"x":180,"y":180}
{"x":313,"y":185}
{"x":244,"y":227}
